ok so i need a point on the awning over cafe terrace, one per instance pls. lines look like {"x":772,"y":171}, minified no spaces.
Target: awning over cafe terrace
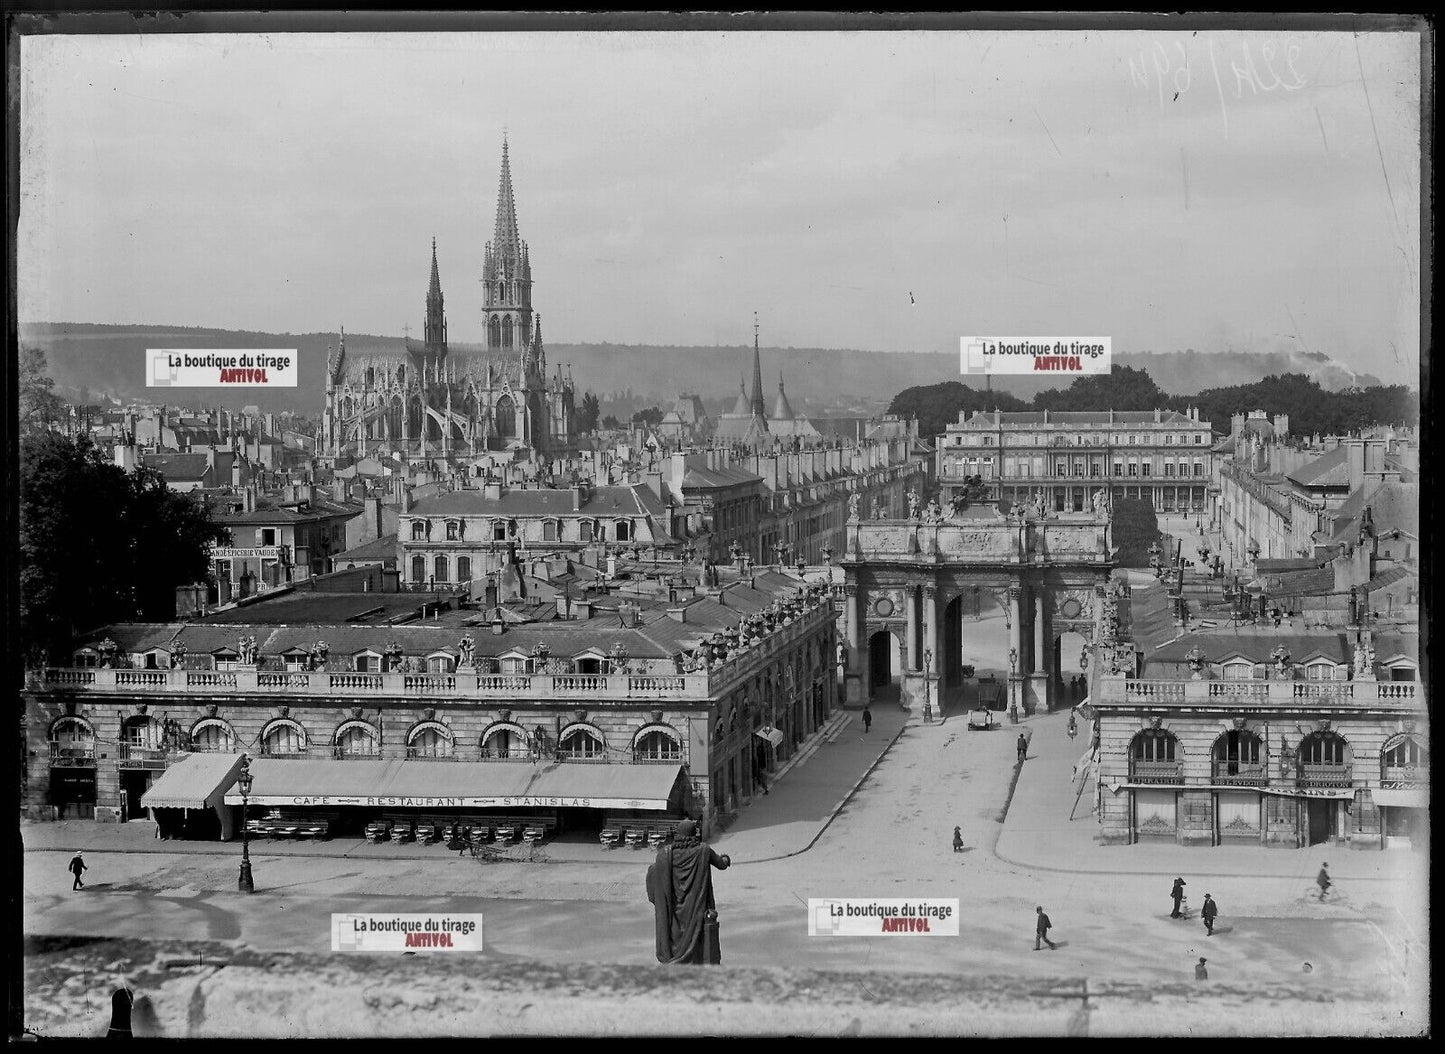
{"x":400,"y":784}
{"x":196,"y":781}
{"x":1407,"y":797}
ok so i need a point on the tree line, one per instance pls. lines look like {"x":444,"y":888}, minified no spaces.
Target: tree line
{"x":1311,"y":408}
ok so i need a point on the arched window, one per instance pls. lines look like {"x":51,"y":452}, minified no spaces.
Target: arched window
{"x":418,"y":569}
{"x":443,"y":571}
{"x":501,"y":291}
{"x":507,"y":331}
{"x":283,"y":736}
{"x":494,"y":332}
{"x":72,"y":738}
{"x":581,"y":742}
{"x":429,"y":740}
{"x":506,"y":416}
{"x":356,"y":739}
{"x":504,"y":740}
{"x":212,"y":735}
{"x":140,"y":733}
{"x":464,"y":569}
{"x":439,"y":664}
{"x":1153,"y":745}
{"x":622,"y":531}
{"x":1323,"y":748}
{"x":656,"y":745}
{"x":1238,"y":752}
{"x":452,"y":530}
{"x":1403,"y":752}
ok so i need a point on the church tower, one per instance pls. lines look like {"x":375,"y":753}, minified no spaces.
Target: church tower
{"x":755,"y":404}
{"x":435,"y":332}
{"x":507,"y":276}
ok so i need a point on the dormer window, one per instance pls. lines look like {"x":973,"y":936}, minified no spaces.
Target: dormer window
{"x":418,"y":530}
{"x":453,"y":530}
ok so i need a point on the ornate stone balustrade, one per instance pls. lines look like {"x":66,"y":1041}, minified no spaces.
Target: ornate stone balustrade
{"x":1257,"y":695}
{"x":465,"y":684}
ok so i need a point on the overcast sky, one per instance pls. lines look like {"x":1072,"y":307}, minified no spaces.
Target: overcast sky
{"x":885,"y":191}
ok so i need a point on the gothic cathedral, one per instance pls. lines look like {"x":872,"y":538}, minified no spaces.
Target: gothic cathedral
{"x":431,"y":401}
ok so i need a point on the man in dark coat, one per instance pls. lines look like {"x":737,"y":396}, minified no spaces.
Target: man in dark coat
{"x":1323,"y":880}
{"x":679,"y":887}
{"x":867,"y":718}
{"x":1023,"y":747}
{"x":1178,"y":895}
{"x":1041,"y":928}
{"x":1207,"y":913}
{"x":77,"y":865}
{"x":1200,"y":973}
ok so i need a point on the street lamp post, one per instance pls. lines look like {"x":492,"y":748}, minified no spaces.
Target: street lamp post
{"x":245,"y":884}
{"x":927,"y":695}
{"x":1013,"y":706}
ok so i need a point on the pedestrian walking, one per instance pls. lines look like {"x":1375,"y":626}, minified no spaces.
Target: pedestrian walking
{"x":1200,"y":973}
{"x":1208,"y":913}
{"x":1323,"y":880}
{"x":867,"y":718}
{"x":1042,"y":925}
{"x":77,"y":865}
{"x":1178,"y":895}
{"x":957,"y":840}
{"x":1023,"y":747}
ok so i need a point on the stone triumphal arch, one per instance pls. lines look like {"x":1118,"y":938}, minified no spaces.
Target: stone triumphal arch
{"x":913,"y":580}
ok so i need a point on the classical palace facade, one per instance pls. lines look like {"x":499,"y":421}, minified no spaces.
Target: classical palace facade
{"x":648,"y":706}
{"x":1278,"y":737}
{"x":1159,"y":456}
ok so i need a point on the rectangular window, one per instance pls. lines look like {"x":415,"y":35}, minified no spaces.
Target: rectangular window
{"x":988,"y":440}
{"x":266,"y":536}
{"x":1198,"y":467}
{"x":549,"y":530}
{"x":1199,"y":440}
{"x":1168,"y":468}
{"x":1145,"y":469}
{"x":1061,"y":468}
{"x":1131,"y":440}
{"x":1133,"y":467}
{"x":585,"y":530}
{"x":1118,"y":468}
{"x":1095,"y":469}
{"x":1169,"y":440}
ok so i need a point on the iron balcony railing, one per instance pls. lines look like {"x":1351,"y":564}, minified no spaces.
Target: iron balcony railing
{"x":1236,"y":774}
{"x":64,"y":754}
{"x":1156,"y":771}
{"x":1325,"y":776}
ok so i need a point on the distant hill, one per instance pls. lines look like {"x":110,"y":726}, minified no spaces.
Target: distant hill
{"x":105,"y":361}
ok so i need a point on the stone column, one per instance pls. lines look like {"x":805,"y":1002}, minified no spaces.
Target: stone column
{"x":910,"y":600}
{"x":1016,"y":622}
{"x":858,"y":671}
{"x":1041,"y":663}
{"x":930,"y":624}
